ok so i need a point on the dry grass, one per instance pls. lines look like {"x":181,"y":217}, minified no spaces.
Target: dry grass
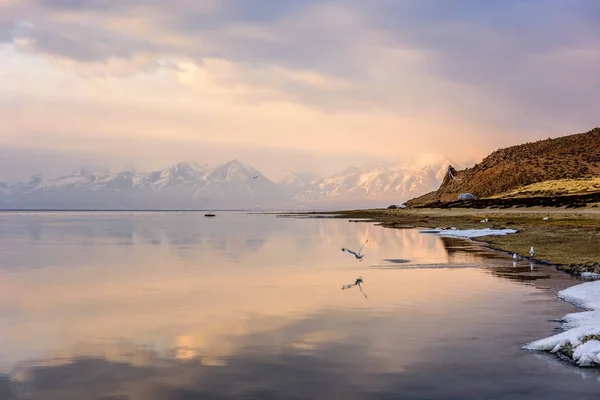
{"x":556,"y":245}
{"x":554,"y":188}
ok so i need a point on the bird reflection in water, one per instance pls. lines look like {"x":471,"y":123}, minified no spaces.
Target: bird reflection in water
{"x":358,"y":283}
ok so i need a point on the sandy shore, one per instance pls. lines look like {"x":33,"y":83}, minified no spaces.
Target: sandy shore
{"x":566,"y":237}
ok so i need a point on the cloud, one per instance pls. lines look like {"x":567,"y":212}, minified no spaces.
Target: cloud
{"x":84,"y":44}
{"x":462,"y":78}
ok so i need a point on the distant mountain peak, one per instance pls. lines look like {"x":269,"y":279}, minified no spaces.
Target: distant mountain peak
{"x":232,"y":184}
{"x":301,"y":174}
{"x":418,"y":161}
{"x":88,"y":171}
{"x":391,"y":182}
{"x":295,"y":181}
{"x":353,"y":169}
{"x":233,"y":170}
{"x":187,"y":166}
{"x":235,"y":163}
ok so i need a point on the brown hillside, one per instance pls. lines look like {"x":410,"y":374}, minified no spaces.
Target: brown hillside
{"x":568,"y":157}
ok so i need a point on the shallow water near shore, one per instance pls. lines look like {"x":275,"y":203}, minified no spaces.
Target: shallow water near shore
{"x":178,"y":306}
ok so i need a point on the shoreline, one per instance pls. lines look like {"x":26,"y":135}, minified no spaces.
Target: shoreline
{"x":564,"y":239}
{"x":567,"y":239}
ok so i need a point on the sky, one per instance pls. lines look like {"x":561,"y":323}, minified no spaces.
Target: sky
{"x":286,"y":84}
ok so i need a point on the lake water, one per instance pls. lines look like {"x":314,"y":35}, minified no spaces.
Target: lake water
{"x":165,"y":306}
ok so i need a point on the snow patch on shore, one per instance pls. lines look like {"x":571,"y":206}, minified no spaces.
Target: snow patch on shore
{"x":469,"y":233}
{"x":582,"y":333}
{"x":590,"y":275}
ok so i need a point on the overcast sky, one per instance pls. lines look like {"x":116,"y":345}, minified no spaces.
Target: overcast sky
{"x":313,"y":84}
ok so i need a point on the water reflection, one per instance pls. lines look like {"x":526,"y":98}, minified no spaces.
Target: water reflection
{"x":174,"y":305}
{"x":228,"y":238}
{"x":357,"y":284}
{"x":348,"y":354}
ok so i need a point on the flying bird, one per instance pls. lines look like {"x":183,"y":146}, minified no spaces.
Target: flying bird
{"x":358,"y":255}
{"x":531,"y":252}
{"x":255,"y":177}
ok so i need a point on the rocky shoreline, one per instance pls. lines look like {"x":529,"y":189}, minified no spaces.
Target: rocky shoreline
{"x":572,"y":201}
{"x":589,"y":267}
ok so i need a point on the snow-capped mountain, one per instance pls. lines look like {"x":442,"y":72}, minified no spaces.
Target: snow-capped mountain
{"x":419,"y":161}
{"x":393,"y":182}
{"x":231,"y":185}
{"x":180,"y":174}
{"x":294,"y":182}
{"x":235,"y":183}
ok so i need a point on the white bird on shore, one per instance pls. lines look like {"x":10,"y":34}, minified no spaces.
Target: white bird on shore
{"x":545,"y":218}
{"x":515,"y":256}
{"x":358,"y":255}
{"x":484,"y":220}
{"x":531,"y":252}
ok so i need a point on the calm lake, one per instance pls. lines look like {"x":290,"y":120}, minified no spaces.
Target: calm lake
{"x":173,"y":305}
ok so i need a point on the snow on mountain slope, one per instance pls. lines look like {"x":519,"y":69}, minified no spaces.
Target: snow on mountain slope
{"x":391,"y":182}
{"x":419,"y":161}
{"x":25,"y":186}
{"x":80,"y":178}
{"x":293,"y":182}
{"x":183,"y":185}
{"x":179,"y":174}
{"x":235,"y":180}
{"x":233,"y":170}
{"x":230,"y":185}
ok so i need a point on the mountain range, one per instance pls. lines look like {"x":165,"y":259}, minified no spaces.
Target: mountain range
{"x":231,"y":185}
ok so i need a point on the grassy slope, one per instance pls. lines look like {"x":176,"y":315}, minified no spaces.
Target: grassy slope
{"x":555,"y":188}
